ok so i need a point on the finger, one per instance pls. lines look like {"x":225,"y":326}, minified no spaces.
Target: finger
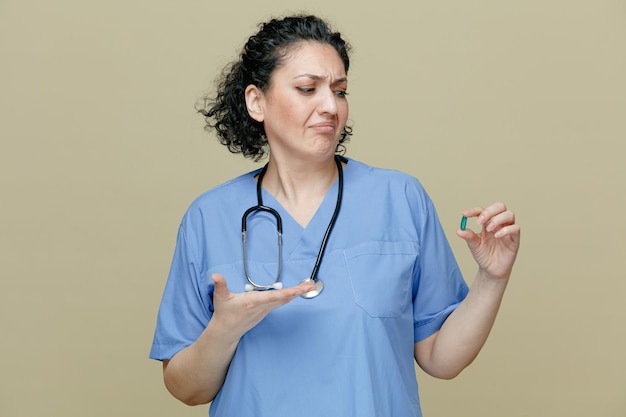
{"x":490,"y":211}
{"x":221,"y":289}
{"x":467,"y":234}
{"x":512,"y":231}
{"x":470,"y":237}
{"x":500,"y":220}
{"x":303,"y":288}
{"x":473,"y":212}
{"x":276,"y":298}
{"x":287,"y":294}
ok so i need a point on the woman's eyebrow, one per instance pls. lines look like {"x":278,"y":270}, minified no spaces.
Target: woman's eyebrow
{"x":321,"y":78}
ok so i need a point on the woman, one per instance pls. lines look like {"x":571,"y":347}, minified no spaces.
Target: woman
{"x":392,"y":294}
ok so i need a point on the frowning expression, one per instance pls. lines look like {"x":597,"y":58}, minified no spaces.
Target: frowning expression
{"x":304,"y":109}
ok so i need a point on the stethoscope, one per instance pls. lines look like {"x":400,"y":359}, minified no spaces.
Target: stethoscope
{"x":276,"y":285}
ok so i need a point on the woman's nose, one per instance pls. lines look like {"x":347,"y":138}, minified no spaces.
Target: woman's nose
{"x":328,"y":102}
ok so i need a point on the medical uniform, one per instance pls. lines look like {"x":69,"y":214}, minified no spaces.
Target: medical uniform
{"x":390,"y":280}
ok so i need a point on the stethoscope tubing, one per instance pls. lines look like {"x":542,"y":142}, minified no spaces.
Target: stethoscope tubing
{"x":279,"y":231}
{"x":333,"y":220}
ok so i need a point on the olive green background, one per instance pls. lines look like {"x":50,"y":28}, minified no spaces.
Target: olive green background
{"x":101,"y":152}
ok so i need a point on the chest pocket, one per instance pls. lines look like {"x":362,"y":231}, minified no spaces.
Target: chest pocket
{"x":381,"y":274}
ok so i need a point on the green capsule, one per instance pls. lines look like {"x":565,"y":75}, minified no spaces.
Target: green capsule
{"x":463,"y":222}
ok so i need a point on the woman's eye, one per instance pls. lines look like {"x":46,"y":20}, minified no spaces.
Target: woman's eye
{"x":311,"y":90}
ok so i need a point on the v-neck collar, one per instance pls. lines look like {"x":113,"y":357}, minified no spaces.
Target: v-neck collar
{"x":304,"y":242}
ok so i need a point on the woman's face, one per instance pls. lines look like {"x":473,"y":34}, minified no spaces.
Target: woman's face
{"x":304,"y":108}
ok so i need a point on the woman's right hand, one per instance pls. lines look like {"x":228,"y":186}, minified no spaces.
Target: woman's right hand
{"x":196,"y":373}
{"x":240,"y":312}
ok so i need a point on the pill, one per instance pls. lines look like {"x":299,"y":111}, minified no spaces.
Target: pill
{"x":463,"y":222}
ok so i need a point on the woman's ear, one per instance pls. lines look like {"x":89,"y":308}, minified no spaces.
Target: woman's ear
{"x":254,"y":97}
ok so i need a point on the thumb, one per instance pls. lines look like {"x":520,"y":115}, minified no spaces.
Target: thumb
{"x":221,"y":289}
{"x":471,"y":238}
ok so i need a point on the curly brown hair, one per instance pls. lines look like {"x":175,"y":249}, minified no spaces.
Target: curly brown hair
{"x":226,"y":111}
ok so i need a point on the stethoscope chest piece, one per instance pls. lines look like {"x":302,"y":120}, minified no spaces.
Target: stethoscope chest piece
{"x":319,"y":287}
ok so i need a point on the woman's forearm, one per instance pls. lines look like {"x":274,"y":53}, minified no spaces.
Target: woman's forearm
{"x":196,"y":374}
{"x":463,"y":334}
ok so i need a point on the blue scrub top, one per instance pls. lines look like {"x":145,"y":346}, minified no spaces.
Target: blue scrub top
{"x":390,"y":280}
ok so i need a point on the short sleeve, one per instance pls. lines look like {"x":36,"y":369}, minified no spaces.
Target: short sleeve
{"x":186,"y":306}
{"x":438,"y":285}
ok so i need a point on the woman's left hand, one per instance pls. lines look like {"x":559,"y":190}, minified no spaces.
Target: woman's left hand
{"x":495,"y":247}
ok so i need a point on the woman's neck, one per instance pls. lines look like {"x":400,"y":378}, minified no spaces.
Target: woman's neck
{"x":300,"y":188}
